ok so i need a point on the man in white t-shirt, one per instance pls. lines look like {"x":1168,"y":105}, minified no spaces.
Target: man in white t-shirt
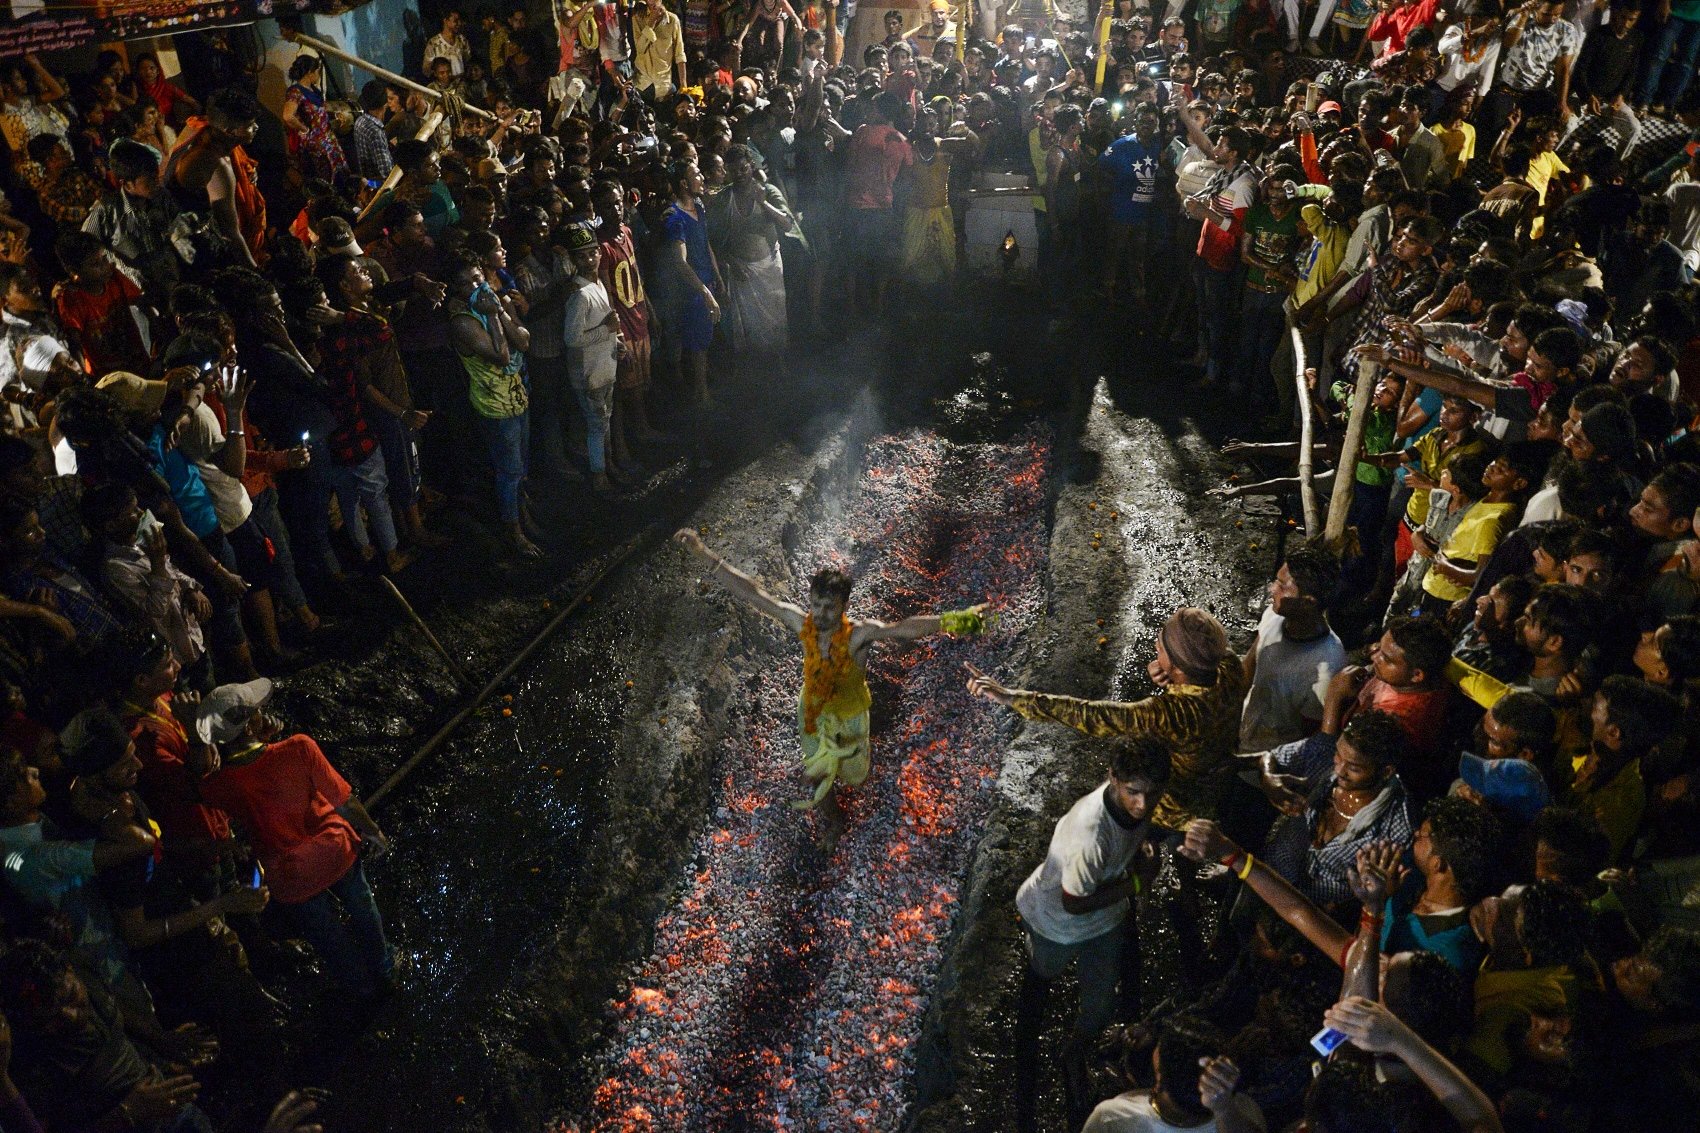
{"x":1074,"y":904}
{"x":1296,"y":653}
{"x":1195,"y":1089}
{"x":591,"y":334}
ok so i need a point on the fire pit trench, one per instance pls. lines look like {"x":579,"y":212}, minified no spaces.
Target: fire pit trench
{"x":783,"y":990}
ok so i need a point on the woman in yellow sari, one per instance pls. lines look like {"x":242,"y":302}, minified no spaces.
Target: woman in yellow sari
{"x":832,"y":709}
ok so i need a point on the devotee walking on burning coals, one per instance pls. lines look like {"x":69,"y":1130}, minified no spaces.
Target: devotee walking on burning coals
{"x":832,"y":710}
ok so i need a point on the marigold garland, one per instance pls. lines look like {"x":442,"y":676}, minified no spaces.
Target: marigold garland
{"x":821,"y":675}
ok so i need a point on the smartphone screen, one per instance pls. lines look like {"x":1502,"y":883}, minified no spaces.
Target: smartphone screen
{"x":1326,"y":1040}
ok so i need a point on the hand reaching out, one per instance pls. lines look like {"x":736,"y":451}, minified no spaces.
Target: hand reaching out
{"x":1377,"y":874}
{"x":979,"y":684}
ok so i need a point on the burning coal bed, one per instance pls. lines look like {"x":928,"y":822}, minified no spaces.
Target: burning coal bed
{"x":786,"y":990}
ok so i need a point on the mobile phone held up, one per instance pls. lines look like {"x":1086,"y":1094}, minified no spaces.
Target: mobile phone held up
{"x":258,"y":878}
{"x":1326,"y":1040}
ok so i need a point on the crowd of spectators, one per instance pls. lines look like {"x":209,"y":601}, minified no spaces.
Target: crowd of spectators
{"x":252,"y":351}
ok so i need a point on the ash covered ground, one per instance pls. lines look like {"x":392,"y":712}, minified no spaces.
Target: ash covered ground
{"x":613,"y":919}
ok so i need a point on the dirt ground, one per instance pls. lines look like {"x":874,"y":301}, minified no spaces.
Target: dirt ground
{"x":538,"y":851}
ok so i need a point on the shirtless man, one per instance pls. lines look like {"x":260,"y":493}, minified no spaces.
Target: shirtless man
{"x":201,"y":173}
{"x":832,"y":710}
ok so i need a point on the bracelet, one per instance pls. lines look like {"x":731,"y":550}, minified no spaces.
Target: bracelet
{"x":1369,"y":920}
{"x":1231,"y":860}
{"x":1245,"y":870}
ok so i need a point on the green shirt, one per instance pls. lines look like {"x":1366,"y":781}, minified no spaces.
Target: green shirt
{"x":1272,"y":241}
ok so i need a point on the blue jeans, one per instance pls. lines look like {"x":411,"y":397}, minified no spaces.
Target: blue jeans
{"x":508,"y":440}
{"x":1672,"y":60}
{"x":365,"y":485}
{"x":355,"y":953}
{"x":1216,"y":294}
{"x":598,"y":408}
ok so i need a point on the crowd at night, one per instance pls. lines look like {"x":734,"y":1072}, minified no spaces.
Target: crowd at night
{"x":1431,"y":836}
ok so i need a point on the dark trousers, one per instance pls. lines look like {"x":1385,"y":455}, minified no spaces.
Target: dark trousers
{"x":1262,"y":323}
{"x":343,"y":926}
{"x":1216,"y":294}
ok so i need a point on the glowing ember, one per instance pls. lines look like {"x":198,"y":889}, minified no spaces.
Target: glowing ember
{"x":786,"y":992}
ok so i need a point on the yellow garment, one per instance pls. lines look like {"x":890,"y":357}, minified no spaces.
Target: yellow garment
{"x":1541,"y":172}
{"x":1431,"y":461}
{"x":1472,"y":541}
{"x":832,"y":722}
{"x":1618,"y":805}
{"x":929,"y":245}
{"x":1460,"y":144}
{"x":1504,"y":1003}
{"x":1326,"y":254}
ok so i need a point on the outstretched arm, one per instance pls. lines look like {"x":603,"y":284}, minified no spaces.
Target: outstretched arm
{"x":909,"y":629}
{"x":740,"y":585}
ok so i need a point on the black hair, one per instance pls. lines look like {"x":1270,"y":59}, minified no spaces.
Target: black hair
{"x":1532,"y":319}
{"x":234,"y":105}
{"x":1142,"y":758}
{"x":1580,"y":842}
{"x":129,"y":160}
{"x":1532,"y":719}
{"x":412,"y":154}
{"x":1346,"y":1097}
{"x":1552,"y":925}
{"x":1530,"y":459}
{"x":303,"y":65}
{"x":1681,"y":650}
{"x":1429,"y":995}
{"x":1466,"y":470}
{"x":833,"y":582}
{"x":103,"y":503}
{"x":1378,"y":736}
{"x":374,"y":94}
{"x":30,"y":974}
{"x":1468,"y":839}
{"x":76,"y":247}
{"x":1679,"y":484}
{"x":1182,"y":1044}
{"x":1644,"y":714}
{"x":1425,"y":643}
{"x":1489,"y":282}
{"x":1568,"y":612}
{"x":1559,"y":345}
{"x":1675,"y":952}
{"x":1611,"y":430}
{"x":1315,"y":568}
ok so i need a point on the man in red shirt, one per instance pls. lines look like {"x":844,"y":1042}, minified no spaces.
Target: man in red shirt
{"x":878,"y":152}
{"x":1220,"y":207}
{"x":305,"y":826}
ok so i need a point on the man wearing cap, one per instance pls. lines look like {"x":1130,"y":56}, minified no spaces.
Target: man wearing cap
{"x":1201,"y":684}
{"x":305,"y":826}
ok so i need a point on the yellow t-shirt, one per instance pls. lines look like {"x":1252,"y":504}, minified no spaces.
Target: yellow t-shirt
{"x":1473,"y":540}
{"x":1431,"y":462}
{"x":1541,"y":172}
{"x":1460,"y":144}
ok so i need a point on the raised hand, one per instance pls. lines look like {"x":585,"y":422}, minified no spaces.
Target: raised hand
{"x":979,"y":684}
{"x":1218,"y":1080}
{"x":1205,"y":842}
{"x":1377,"y":874}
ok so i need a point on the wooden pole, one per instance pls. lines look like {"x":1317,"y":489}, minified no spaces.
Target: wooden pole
{"x":462,"y":681}
{"x":1345,"y":471}
{"x":432,"y":121}
{"x":336,"y":52}
{"x":442,"y":734}
{"x":1307,"y":485}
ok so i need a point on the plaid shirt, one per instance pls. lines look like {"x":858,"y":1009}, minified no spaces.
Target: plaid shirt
{"x":371,"y":148}
{"x":54,"y":583}
{"x":347,"y":346}
{"x":1320,"y":871}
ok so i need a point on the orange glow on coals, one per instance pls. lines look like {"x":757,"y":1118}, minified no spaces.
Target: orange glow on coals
{"x":785,"y":992}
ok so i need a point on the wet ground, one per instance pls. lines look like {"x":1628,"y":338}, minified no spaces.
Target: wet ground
{"x":571,"y":850}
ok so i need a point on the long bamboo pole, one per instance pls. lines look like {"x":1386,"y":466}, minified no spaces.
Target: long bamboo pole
{"x":352,"y":60}
{"x":1345,"y":471}
{"x":393,"y":178}
{"x":1307,"y":484}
